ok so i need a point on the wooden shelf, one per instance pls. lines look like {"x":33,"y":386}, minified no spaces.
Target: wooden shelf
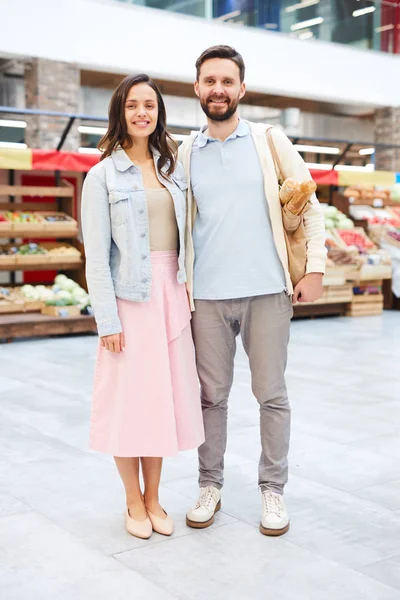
{"x":319,"y":310}
{"x":38,"y":233}
{"x":35,"y":324}
{"x":66,"y":190}
{"x":45,"y":266}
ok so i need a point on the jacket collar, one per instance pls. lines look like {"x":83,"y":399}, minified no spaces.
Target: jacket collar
{"x":123,"y":162}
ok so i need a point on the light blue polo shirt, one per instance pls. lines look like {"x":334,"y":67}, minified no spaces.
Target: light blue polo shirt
{"x":235,"y":254}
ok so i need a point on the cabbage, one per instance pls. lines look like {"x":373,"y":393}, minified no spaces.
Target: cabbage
{"x":330,"y":223}
{"x":331,"y":212}
{"x":67,"y":285}
{"x":64,"y":295}
{"x":33,"y":295}
{"x":47,"y":295}
{"x":59,"y":279}
{"x":27,"y":289}
{"x":83,"y":302}
{"x":345,"y":224}
{"x":78,"y":292}
{"x":395,"y":193}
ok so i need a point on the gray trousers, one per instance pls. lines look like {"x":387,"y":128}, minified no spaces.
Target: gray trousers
{"x":264,"y":323}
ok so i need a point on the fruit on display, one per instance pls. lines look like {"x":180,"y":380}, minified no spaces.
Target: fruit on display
{"x":376,"y":216}
{"x":31,"y":248}
{"x":23,"y":217}
{"x":356,"y":238}
{"x":56,"y":218}
{"x":65,"y":251}
{"x":3,"y":218}
{"x":334,"y":218}
{"x":46,"y":250}
{"x":359,"y":193}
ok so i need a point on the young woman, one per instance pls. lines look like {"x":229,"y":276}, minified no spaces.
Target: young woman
{"x":146,"y":402}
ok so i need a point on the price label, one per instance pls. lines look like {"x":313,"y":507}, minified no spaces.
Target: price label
{"x":377,"y":202}
{"x":63,"y":312}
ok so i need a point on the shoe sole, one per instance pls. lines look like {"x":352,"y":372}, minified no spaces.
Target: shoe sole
{"x":274,"y":532}
{"x":203,"y":524}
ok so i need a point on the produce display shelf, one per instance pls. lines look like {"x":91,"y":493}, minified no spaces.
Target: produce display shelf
{"x":38,"y":233}
{"x":320,"y":310}
{"x":60,"y":265}
{"x":23,"y":325}
{"x":65,"y":190}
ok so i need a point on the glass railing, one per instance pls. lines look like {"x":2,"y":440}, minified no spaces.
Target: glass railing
{"x":367,"y":24}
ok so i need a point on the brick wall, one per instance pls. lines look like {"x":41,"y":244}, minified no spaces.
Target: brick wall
{"x":53,"y":86}
{"x":387,"y":131}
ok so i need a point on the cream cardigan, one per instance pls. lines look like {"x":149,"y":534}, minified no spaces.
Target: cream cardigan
{"x":293,"y":166}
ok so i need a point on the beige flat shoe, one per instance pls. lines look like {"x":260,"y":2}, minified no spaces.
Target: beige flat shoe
{"x":140,"y":529}
{"x":160,"y":525}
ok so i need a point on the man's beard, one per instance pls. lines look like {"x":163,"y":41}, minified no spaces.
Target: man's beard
{"x":220,"y":116}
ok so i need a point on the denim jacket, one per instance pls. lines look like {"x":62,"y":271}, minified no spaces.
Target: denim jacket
{"x":115,"y":227}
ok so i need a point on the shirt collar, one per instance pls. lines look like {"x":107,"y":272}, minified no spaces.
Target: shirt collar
{"x":241,"y":130}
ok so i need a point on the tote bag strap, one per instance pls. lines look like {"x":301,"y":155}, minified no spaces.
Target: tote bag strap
{"x":278,"y":166}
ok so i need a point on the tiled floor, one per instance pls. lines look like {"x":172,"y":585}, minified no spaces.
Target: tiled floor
{"x":61,"y":506}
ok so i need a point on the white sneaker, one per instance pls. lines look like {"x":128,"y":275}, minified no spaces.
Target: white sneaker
{"x":274,"y":516}
{"x":202,"y":515}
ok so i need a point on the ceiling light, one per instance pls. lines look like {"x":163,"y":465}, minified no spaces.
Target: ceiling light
{"x":367,"y":151}
{"x":88,"y":151}
{"x":367,"y":169}
{"x":231,"y":15}
{"x":306,"y":35}
{"x":16,"y":124}
{"x":384,"y":28}
{"x":13,"y":145}
{"x":92,"y":130}
{"x":317,"y":149}
{"x":319,"y":167}
{"x":305,"y":24}
{"x":303,"y":4}
{"x":364,"y":11}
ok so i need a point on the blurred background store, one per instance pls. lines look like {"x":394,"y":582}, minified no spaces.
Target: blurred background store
{"x":323,"y":70}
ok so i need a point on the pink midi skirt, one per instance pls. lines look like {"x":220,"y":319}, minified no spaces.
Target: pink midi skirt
{"x":146,"y":399}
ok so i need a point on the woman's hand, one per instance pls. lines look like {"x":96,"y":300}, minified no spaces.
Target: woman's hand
{"x":113,"y":343}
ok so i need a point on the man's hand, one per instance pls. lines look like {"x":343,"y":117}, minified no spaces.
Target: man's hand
{"x":309,"y":289}
{"x":113,"y":343}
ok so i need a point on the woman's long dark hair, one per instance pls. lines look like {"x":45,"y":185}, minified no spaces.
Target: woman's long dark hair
{"x":117,"y":133}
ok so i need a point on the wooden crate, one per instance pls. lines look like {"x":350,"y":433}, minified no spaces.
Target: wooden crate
{"x":9,"y":307}
{"x":335,"y":276}
{"x":69,"y":225}
{"x":339,"y":293}
{"x":62,"y":257}
{"x":368,"y":272}
{"x":61,"y":311}
{"x":4,"y":225}
{"x":367,"y":304}
{"x":24,"y":226}
{"x":365,"y":310}
{"x":7,"y":260}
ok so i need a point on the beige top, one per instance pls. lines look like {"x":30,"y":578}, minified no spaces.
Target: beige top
{"x":162,"y":220}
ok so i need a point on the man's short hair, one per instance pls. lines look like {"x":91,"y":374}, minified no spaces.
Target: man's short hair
{"x":221,"y":52}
